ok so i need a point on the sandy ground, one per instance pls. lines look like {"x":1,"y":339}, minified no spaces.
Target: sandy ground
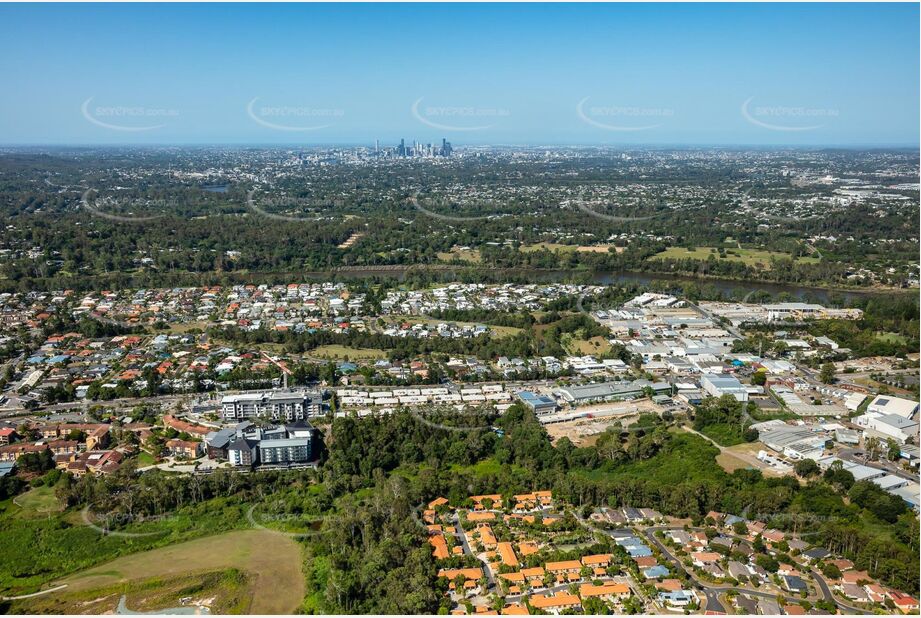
{"x":745,"y":456}
{"x":584,"y":431}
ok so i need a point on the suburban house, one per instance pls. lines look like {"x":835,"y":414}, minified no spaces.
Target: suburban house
{"x":184,"y":448}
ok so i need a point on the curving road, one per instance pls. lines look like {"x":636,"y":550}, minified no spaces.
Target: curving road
{"x":713,"y":592}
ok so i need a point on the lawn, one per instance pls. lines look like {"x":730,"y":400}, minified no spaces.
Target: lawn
{"x":750,"y":257}
{"x":593,"y":346}
{"x":38,"y":502}
{"x":554,"y":247}
{"x":270,"y":561}
{"x":341,"y":352}
{"x":891,"y":338}
{"x":145,"y":459}
{"x":462,"y":254}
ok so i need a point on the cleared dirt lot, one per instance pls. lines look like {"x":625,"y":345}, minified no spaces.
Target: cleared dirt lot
{"x":742,"y":456}
{"x":584,"y":431}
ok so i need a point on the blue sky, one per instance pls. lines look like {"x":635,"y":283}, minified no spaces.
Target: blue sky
{"x":809,"y":74}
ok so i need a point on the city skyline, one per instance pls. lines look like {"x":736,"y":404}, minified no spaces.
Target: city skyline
{"x":693,"y":75}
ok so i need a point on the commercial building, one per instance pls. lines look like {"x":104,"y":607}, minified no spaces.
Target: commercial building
{"x":886,"y":404}
{"x":610,"y":391}
{"x":893,"y":426}
{"x":794,"y":442}
{"x":274,"y":405}
{"x":270,"y":446}
{"x":717,"y":386}
{"x":539,"y":404}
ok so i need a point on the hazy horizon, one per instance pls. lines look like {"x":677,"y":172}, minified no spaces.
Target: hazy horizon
{"x":832,"y":75}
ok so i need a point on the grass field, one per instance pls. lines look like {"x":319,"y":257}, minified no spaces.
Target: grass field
{"x":553,"y":247}
{"x":487,"y":468}
{"x":271,"y":563}
{"x":38,"y":502}
{"x":891,"y":338}
{"x":593,"y":346}
{"x":462,"y":254}
{"x":751,"y":257}
{"x":740,"y":457}
{"x":222,"y":592}
{"x":145,"y":459}
{"x":341,"y":352}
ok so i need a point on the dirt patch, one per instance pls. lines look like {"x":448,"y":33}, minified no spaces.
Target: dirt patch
{"x":743,"y":456}
{"x":585,"y":431}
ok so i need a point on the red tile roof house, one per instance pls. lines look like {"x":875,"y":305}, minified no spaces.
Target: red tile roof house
{"x":12,"y":452}
{"x":702,"y":558}
{"x":97,"y":462}
{"x":8,"y":435}
{"x":60,"y":447}
{"x":876,"y":593}
{"x":184,"y":426}
{"x":556,"y":603}
{"x":183,"y":448}
{"x":905,"y":602}
{"x":855,"y":577}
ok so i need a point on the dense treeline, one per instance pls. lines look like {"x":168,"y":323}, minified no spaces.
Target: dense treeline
{"x":897,"y":314}
{"x":198,"y":235}
{"x":528,"y":343}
